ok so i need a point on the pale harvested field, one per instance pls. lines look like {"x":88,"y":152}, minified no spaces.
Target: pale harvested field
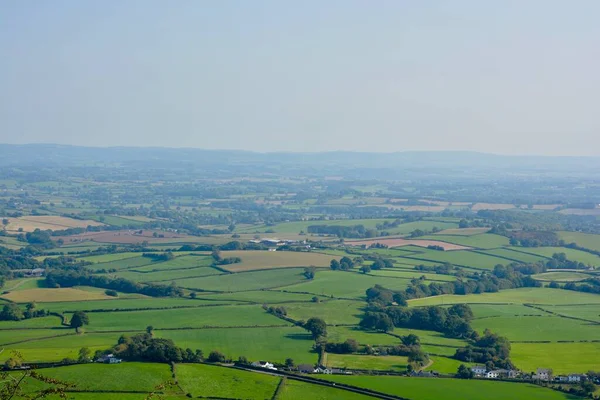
{"x":409,"y":208}
{"x":492,"y":206}
{"x":51,"y":295}
{"x":255,"y":260}
{"x":463,"y":231}
{"x":545,"y":206}
{"x":127,"y":236}
{"x":47,"y":222}
{"x":398,"y":242}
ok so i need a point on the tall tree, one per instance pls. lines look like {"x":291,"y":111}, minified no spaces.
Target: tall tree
{"x":79,"y":319}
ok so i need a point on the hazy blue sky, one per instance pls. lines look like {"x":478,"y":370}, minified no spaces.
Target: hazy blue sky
{"x":499,"y":76}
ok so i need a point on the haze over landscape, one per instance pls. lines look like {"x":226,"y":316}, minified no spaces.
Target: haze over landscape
{"x":508,"y":77}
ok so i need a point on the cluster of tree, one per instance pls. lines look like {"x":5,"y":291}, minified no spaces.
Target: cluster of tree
{"x":277,"y":311}
{"x":345,"y":263}
{"x":317,"y":327}
{"x":560,"y":260}
{"x":435,"y":247}
{"x":533,"y":238}
{"x":219,"y":260}
{"x":347,"y":347}
{"x":166,"y":256}
{"x":490,"y":349}
{"x":591,"y":285}
{"x":144,"y":347}
{"x":82,"y":277}
{"x":343,"y":231}
{"x":453,"y":321}
{"x":420,"y":232}
{"x":233,"y":245}
{"x":12,"y":312}
{"x":309,"y":272}
{"x":445,"y":268}
{"x":38,"y":238}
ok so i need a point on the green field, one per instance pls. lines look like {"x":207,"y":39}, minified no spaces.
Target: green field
{"x":481,"y":241}
{"x":212,"y":381}
{"x":465,"y":258}
{"x":253,"y":280}
{"x":294,"y":390}
{"x":587,"y":312}
{"x":428,"y":389}
{"x":333,"y":311}
{"x":551,"y":328}
{"x":345,"y":284}
{"x":513,"y":255}
{"x":574,"y":357}
{"x":251,"y":315}
{"x":561,"y":276}
{"x":517,"y":296}
{"x":273,"y":344}
{"x":586,"y":240}
{"x":364,"y":362}
{"x":572,"y":254}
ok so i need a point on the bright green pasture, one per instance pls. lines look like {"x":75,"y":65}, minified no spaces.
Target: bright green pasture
{"x":257,"y":296}
{"x":127,"y":304}
{"x":444,"y":365}
{"x":355,"y":361}
{"x":562,"y":276}
{"x":186,"y":261}
{"x":57,"y":348}
{"x":481,"y":241}
{"x":503,"y":310}
{"x":214,"y":381}
{"x":572,"y":254}
{"x":332,"y":311}
{"x":42,"y":322}
{"x":104,"y":258}
{"x":519,"y":296}
{"x":125,"y":376}
{"x":273,"y":344}
{"x":550,"y":328}
{"x":439,"y":351}
{"x":125,"y":263}
{"x":563,"y":358}
{"x":450,"y":389}
{"x":346,"y":284}
{"x":21,"y":335}
{"x":168,"y":275}
{"x":586,"y":240}
{"x":515,"y":256}
{"x":295,"y":390}
{"x":465,"y":258}
{"x":588,"y":312}
{"x":245,"y":280}
{"x":430,"y":337}
{"x":246,"y":315}
{"x":23,"y":284}
{"x":398,"y":273}
{"x":338,"y":334}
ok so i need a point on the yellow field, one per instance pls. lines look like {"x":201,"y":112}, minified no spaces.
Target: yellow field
{"x":254,"y":260}
{"x":51,"y":295}
{"x":47,"y":222}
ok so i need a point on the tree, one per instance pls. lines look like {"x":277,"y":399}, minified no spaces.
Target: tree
{"x":84,"y":355}
{"x":464,"y":372}
{"x":289,"y":363}
{"x":243,"y":360}
{"x":216,"y":356}
{"x":79,"y":319}
{"x":11,"y":312}
{"x":384,"y":324}
{"x":316,"y":326}
{"x":334,"y":265}
{"x":365,"y":269}
{"x":410,"y":340}
{"x":193,"y":295}
{"x":150,"y":330}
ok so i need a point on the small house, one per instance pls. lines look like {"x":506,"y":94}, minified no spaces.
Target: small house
{"x":306,"y":368}
{"x":109,"y":359}
{"x":542,"y":374}
{"x":264,"y":364}
{"x":575,"y":378}
{"x":479,"y":370}
{"x":322,"y":370}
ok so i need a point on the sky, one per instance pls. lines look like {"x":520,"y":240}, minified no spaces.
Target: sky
{"x":507,"y":77}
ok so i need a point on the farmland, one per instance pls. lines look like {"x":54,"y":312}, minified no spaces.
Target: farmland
{"x":237,"y":263}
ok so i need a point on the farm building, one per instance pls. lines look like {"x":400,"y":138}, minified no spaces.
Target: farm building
{"x":109,"y":359}
{"x":306,"y":368}
{"x":479,"y":370}
{"x":264,"y":364}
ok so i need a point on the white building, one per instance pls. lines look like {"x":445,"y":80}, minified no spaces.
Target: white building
{"x":479,"y":370}
{"x":543,"y":374}
{"x":264,"y":364}
{"x":575,"y":378}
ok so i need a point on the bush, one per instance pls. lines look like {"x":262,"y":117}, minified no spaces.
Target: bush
{"x":110,"y":292}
